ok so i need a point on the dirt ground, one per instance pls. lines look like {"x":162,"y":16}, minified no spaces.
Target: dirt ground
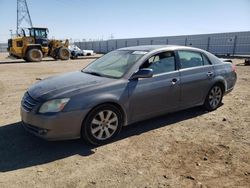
{"x":191,"y":148}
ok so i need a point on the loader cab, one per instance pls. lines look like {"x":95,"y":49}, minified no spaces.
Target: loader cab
{"x":38,"y":32}
{"x":40,"y":35}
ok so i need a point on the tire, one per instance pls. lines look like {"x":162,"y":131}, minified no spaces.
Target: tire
{"x":34,"y":55}
{"x":64,"y":53}
{"x":25,"y":59}
{"x":102,"y":124}
{"x":214,"y":98}
{"x":247,"y":62}
{"x":74,"y":57}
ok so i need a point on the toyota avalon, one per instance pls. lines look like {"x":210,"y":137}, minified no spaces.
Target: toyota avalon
{"x":122,"y":87}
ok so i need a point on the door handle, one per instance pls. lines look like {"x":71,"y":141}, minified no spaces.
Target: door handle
{"x":210,"y":74}
{"x":174,"y":81}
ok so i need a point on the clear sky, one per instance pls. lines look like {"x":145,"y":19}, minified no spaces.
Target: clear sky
{"x":93,"y":19}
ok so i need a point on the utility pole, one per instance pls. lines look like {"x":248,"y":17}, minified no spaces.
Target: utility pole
{"x":11,"y":33}
{"x":23,"y":14}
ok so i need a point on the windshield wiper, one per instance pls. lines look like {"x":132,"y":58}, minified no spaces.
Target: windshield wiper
{"x":92,"y":73}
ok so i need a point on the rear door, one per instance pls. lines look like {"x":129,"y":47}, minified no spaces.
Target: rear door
{"x":196,"y":73}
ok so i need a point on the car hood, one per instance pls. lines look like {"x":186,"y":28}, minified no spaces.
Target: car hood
{"x":65,"y":85}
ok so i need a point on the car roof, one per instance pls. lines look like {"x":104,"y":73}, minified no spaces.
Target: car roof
{"x":158,"y":47}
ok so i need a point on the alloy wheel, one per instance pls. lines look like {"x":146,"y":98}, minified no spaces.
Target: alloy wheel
{"x":215,"y":96}
{"x":104,"y":124}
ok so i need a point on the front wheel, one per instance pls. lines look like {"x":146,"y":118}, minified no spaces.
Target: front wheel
{"x":214,"y":98}
{"x":102,"y":124}
{"x":64,"y":53}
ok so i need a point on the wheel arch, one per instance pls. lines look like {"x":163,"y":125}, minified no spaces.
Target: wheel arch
{"x":221,"y":82}
{"x":206,"y":104}
{"x":217,"y":81}
{"x":115,"y":104}
{"x":29,"y":47}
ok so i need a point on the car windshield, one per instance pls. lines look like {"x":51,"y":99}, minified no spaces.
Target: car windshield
{"x":114,"y":64}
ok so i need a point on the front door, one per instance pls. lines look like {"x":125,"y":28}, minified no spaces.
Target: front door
{"x":149,"y":97}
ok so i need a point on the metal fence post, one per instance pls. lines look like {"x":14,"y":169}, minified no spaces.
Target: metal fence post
{"x":208,"y":43}
{"x":138,"y":42}
{"x":235,"y":43}
{"x":126,"y":43}
{"x":116,"y":45}
{"x":166,"y":41}
{"x":151,"y":42}
{"x":85,"y":45}
{"x":107,"y":46}
{"x":186,"y":41}
{"x":99,"y":47}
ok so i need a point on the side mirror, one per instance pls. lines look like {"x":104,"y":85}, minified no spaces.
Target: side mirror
{"x":142,"y":73}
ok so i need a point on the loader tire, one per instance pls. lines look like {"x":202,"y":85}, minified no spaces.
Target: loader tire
{"x":34,"y":55}
{"x":64,"y":53}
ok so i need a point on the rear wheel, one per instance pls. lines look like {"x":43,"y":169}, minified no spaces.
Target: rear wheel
{"x":102,"y":124}
{"x":34,"y":55}
{"x":64,"y":53}
{"x":214,"y":98}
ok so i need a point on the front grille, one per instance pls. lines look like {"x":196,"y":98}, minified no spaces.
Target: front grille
{"x":28,"y":102}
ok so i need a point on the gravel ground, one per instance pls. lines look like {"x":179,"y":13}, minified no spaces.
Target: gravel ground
{"x":191,"y":148}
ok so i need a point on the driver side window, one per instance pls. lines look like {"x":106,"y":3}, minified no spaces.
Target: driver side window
{"x":161,"y":63}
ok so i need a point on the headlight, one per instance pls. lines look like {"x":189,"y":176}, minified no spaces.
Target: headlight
{"x":56,"y":105}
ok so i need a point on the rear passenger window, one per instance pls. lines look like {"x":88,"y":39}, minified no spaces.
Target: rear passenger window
{"x":190,"y":59}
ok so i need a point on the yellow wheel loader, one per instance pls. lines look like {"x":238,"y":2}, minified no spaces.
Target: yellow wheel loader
{"x":33,"y":45}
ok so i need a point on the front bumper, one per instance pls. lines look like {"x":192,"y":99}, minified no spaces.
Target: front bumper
{"x":61,"y":126}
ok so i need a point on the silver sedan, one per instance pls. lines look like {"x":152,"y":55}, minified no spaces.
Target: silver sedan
{"x":122,"y":87}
